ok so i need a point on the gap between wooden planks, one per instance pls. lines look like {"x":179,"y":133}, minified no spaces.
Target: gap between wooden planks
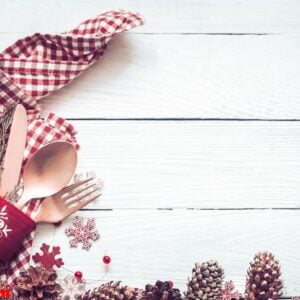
{"x":217,"y":76}
{"x":162,"y":16}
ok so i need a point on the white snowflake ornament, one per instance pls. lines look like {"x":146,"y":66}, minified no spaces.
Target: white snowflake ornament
{"x":82,"y":233}
{"x":4,"y":230}
{"x":72,"y":287}
{"x":229,"y":293}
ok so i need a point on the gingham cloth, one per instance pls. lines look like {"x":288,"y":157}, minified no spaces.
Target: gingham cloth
{"x":37,"y":65}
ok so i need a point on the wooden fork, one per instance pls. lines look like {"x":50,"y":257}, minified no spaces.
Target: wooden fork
{"x":69,"y":200}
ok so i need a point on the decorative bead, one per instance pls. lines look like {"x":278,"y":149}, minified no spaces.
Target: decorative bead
{"x":78,"y":275}
{"x":106,"y":259}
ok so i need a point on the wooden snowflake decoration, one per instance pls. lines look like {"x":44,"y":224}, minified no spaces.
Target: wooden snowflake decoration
{"x":72,"y":287}
{"x":48,"y":258}
{"x":228,"y":293}
{"x":82,"y":233}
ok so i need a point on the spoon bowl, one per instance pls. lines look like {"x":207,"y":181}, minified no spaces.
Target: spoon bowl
{"x":48,"y":171}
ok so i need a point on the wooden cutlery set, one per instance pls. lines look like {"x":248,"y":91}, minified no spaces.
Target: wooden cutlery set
{"x":45,"y":175}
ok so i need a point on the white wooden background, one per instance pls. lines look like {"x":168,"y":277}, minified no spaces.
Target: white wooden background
{"x":198,"y":135}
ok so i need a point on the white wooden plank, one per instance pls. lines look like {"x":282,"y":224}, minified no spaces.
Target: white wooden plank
{"x":150,"y":245}
{"x":163,"y":16}
{"x":193,"y":164}
{"x":187,"y":76}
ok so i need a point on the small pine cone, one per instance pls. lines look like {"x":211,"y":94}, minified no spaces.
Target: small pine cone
{"x":263,"y":278}
{"x":36,"y":283}
{"x":161,"y":291}
{"x":111,"y":291}
{"x":206,"y":281}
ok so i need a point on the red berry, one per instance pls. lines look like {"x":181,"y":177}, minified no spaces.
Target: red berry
{"x":106,"y":259}
{"x":78,"y":275}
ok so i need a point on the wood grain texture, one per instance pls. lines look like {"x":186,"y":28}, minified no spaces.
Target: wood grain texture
{"x":193,"y":164}
{"x":192,"y":59}
{"x":150,"y":245}
{"x":183,"y":76}
{"x":162,"y":16}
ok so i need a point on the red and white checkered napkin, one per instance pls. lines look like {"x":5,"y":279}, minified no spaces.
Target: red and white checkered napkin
{"x":33,"y":68}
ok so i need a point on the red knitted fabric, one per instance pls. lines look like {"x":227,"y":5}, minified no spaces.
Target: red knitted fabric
{"x":14,"y":227}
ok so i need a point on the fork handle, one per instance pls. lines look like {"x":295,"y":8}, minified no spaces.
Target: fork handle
{"x":22,"y":201}
{"x":35,"y":216}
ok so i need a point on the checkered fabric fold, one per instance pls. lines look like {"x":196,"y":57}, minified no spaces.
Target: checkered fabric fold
{"x":37,"y":65}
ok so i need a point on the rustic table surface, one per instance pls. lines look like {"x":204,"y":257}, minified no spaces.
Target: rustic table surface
{"x":193,"y":123}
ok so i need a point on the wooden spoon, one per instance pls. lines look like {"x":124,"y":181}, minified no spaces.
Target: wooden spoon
{"x":48,"y":171}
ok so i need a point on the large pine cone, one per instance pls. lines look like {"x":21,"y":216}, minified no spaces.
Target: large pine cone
{"x":36,"y":283}
{"x":161,"y":291}
{"x":206,"y":281}
{"x":263,"y":279}
{"x":111,"y":291}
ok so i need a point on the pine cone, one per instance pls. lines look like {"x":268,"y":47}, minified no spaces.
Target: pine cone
{"x":206,"y":281}
{"x":36,"y":283}
{"x":111,"y":291}
{"x":161,"y":291}
{"x":263,"y":280}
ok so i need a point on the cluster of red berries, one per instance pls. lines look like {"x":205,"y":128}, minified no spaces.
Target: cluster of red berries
{"x":106,"y":260}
